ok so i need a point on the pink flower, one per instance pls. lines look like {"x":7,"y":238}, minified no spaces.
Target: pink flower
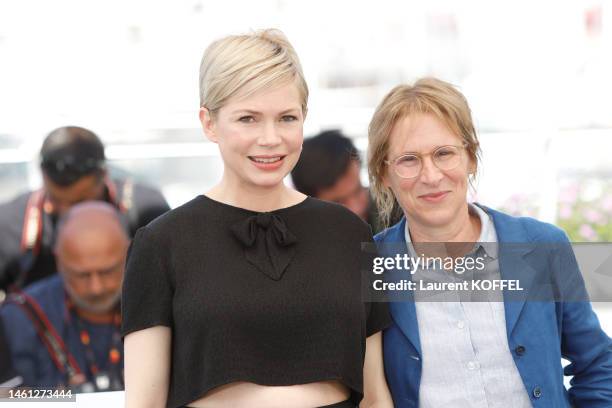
{"x":606,"y":203}
{"x":517,"y":204}
{"x":565,"y":211}
{"x":569,"y":194}
{"x":592,"y":216}
{"x":587,"y":232}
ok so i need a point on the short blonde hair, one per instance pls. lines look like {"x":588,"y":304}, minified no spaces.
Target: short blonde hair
{"x":240,"y":65}
{"x":427,"y":95}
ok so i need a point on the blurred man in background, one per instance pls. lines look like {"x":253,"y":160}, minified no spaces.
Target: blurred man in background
{"x":74,"y":169}
{"x":64,"y":330}
{"x":329,"y":169}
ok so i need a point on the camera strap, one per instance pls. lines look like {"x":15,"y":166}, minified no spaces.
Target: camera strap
{"x":61,"y":357}
{"x":31,"y":235}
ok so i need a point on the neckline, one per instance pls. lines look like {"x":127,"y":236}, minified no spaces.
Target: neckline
{"x":473,"y":209}
{"x":246,"y":210}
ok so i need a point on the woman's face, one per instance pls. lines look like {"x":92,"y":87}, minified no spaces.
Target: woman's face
{"x":260,"y":137}
{"x":434,"y":197}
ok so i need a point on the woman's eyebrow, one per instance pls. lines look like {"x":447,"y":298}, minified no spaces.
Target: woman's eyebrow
{"x":433,"y":149}
{"x":289,"y":110}
{"x":254,"y":112}
{"x":249,"y":111}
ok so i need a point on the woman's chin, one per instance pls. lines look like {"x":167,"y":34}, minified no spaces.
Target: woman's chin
{"x":267,"y":181}
{"x":436,"y":217}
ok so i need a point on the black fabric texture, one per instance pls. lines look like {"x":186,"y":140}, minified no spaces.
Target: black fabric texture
{"x":270,"y":298}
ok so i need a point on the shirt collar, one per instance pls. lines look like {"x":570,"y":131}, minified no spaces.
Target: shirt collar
{"x":487,"y":239}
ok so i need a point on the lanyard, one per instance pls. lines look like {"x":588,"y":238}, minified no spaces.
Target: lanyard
{"x":114,"y":354}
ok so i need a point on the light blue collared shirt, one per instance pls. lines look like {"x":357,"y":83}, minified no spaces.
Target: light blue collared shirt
{"x":466,"y":359}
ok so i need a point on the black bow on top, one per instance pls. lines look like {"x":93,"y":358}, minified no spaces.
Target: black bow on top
{"x":268,"y":244}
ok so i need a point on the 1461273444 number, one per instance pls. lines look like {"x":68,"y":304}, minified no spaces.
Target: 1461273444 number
{"x":39,"y":393}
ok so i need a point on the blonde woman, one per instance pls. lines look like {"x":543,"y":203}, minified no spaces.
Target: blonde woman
{"x":249,"y":295}
{"x":503,"y":350}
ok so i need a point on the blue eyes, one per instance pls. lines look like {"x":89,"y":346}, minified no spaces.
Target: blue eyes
{"x":251,"y":119}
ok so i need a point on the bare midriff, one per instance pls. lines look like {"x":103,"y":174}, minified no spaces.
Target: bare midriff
{"x":247,"y":394}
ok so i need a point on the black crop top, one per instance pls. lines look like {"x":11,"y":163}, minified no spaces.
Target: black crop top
{"x":270,"y":298}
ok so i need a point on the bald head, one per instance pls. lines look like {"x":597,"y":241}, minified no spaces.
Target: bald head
{"x":90,"y":250}
{"x":92,"y":223}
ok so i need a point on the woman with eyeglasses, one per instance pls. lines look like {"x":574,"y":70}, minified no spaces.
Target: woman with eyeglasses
{"x":476,"y":348}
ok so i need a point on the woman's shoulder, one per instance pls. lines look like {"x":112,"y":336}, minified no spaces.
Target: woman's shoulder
{"x":335,"y":215}
{"x":534,"y":229}
{"x":176,"y":219}
{"x":392,"y":233}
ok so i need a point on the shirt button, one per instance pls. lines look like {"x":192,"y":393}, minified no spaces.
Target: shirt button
{"x":537,"y":392}
{"x":473,"y":365}
{"x":461,"y":324}
{"x":519,"y":350}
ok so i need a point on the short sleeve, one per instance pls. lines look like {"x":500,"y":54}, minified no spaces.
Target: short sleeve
{"x":147,"y":292}
{"x":378,"y":317}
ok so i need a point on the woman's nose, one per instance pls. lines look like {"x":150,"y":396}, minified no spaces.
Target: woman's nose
{"x":269,"y":135}
{"x":430,"y":173}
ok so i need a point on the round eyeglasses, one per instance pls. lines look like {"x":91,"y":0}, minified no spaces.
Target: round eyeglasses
{"x":409,"y":165}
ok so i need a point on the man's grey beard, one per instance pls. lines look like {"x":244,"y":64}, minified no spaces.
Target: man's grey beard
{"x":97,"y":308}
